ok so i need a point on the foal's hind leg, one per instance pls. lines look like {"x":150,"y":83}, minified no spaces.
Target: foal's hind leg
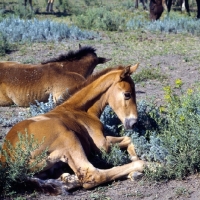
{"x":124,"y":142}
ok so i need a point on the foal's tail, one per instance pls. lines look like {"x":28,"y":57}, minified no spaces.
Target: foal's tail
{"x":50,"y":186}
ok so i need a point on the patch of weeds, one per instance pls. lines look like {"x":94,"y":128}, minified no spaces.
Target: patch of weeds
{"x":22,"y":12}
{"x":149,"y":74}
{"x":182,"y":192}
{"x":41,"y":107}
{"x":12,"y":119}
{"x":171,"y":67}
{"x":17,"y":166}
{"x":99,"y":194}
{"x":18,"y":30}
{"x":29,"y":61}
{"x":173,"y":24}
{"x":115,"y":157}
{"x":100,"y":19}
{"x":179,"y":133}
{"x":5,"y":45}
{"x":135,"y":194}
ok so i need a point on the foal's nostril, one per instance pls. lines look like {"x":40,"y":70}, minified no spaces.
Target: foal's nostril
{"x":130,"y":122}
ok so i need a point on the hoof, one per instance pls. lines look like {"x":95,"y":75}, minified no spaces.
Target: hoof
{"x":135,"y":176}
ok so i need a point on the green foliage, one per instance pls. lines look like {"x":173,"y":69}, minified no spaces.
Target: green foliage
{"x":18,"y":167}
{"x":22,"y":12}
{"x":149,"y":74}
{"x":18,"y":30}
{"x":41,"y":107}
{"x":115,"y":157}
{"x":64,"y":6}
{"x":102,"y":18}
{"x":180,"y":133}
{"x":5,"y":45}
{"x":173,"y":24}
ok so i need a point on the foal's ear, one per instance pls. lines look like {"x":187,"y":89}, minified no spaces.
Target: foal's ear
{"x":79,"y":45}
{"x":102,"y":60}
{"x":128,"y":70}
{"x":133,"y":68}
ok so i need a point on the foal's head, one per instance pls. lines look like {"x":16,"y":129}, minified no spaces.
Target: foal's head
{"x":122,"y":98}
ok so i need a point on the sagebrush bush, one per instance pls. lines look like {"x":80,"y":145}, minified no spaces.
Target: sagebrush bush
{"x":18,"y":30}
{"x":172,"y":24}
{"x":101,"y":18}
{"x":149,"y":74}
{"x":41,"y":107}
{"x":18,"y":168}
{"x":5,"y":45}
{"x":180,"y":133}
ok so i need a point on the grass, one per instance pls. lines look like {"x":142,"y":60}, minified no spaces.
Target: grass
{"x":149,"y":74}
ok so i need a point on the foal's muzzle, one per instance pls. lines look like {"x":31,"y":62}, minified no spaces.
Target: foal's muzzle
{"x":129,"y":122}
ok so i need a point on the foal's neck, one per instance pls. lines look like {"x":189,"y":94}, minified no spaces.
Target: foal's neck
{"x":92,"y":97}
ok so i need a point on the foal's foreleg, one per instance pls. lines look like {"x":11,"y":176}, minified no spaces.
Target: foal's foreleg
{"x":124,"y":142}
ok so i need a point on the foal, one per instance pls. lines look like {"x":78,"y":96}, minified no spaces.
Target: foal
{"x":22,"y":84}
{"x":73,"y":130}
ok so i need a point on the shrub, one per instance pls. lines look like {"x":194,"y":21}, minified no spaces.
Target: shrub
{"x":17,"y":169}
{"x":18,"y":30}
{"x":101,"y":19}
{"x":149,"y":74}
{"x":20,"y":10}
{"x":41,"y":107}
{"x":180,"y":133}
{"x":172,"y":24}
{"x":5,"y":45}
{"x":115,"y":157}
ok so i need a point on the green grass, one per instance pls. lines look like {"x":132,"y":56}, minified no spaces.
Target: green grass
{"x":149,"y":74}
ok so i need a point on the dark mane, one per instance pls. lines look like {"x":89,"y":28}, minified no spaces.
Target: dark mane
{"x":90,"y":79}
{"x":72,"y":55}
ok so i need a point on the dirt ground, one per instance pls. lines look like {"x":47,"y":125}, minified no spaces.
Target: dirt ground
{"x":175,"y":62}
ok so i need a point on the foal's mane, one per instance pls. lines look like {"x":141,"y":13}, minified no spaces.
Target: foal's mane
{"x":88,"y":81}
{"x":72,"y":55}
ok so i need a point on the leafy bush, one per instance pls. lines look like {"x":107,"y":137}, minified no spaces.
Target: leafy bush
{"x":101,"y":18}
{"x":23,"y":12}
{"x":18,"y":168}
{"x":172,"y":24}
{"x":5,"y":45}
{"x":176,"y":25}
{"x":115,"y":157}
{"x":148,"y":146}
{"x":180,"y":133}
{"x":18,"y":30}
{"x":41,"y":107}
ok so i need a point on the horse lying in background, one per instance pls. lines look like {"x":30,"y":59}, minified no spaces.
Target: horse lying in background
{"x":22,"y":84}
{"x":82,"y":61}
{"x":73,"y":130}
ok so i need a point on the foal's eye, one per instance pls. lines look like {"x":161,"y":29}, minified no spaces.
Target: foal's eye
{"x":127,"y":95}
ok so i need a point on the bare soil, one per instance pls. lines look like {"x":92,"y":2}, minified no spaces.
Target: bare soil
{"x":176,"y":56}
